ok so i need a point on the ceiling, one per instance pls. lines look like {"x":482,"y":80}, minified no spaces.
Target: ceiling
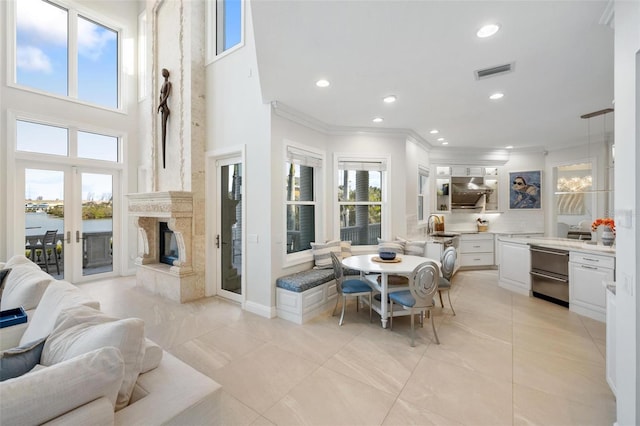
{"x":426,"y":53}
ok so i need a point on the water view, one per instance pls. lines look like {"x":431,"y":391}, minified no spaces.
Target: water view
{"x":39,"y":223}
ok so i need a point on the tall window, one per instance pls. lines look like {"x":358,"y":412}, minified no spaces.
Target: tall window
{"x":360,"y":196}
{"x":225,"y":26}
{"x":59,"y":51}
{"x":423,"y":194}
{"x":301,"y":202}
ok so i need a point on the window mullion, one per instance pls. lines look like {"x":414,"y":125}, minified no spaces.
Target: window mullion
{"x":72,"y":51}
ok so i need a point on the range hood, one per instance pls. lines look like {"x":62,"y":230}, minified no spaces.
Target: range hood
{"x":468,"y":193}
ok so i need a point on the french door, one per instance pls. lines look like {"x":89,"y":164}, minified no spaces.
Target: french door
{"x":229,"y":236}
{"x":80,"y":206}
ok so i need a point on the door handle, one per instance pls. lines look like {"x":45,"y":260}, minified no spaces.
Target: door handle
{"x":68,"y":239}
{"x":218,"y":241}
{"x":78,"y":237}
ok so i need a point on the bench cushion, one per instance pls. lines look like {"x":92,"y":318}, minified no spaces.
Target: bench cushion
{"x":305,"y":280}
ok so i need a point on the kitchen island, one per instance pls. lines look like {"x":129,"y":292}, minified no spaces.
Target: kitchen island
{"x":589,"y":266}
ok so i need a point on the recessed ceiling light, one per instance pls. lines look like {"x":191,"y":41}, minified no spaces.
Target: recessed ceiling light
{"x":322,"y":83}
{"x":495,"y":96}
{"x":378,"y":120}
{"x":488,"y":30}
{"x":390,"y":99}
{"x":434,"y":131}
{"x":509,"y":147}
{"x":440,"y":139}
{"x":445,"y":143}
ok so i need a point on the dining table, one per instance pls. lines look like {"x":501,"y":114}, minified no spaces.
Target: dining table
{"x":376,"y":273}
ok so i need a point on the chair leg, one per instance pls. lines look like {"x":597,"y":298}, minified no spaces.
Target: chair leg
{"x":357,"y":303}
{"x":370,"y":309}
{"x":440,"y":294}
{"x":344,"y":302}
{"x":413,"y":331}
{"x":449,"y":297}
{"x":433,"y":326}
{"x":333,"y":314}
{"x":391,"y":317}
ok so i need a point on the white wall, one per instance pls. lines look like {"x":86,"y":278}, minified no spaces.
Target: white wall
{"x":237,"y":118}
{"x":627,"y":136}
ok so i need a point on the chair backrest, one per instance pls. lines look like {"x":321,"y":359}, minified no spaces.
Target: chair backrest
{"x":448,"y":261}
{"x":338,"y":272}
{"x":423,"y":283}
{"x":50,"y":237}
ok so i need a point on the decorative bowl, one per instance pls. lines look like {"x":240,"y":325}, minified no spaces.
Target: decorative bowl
{"x":387,"y":255}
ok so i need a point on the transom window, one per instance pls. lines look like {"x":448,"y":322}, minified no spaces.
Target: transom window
{"x":62,"y":52}
{"x":225,"y":26}
{"x":360,"y":200}
{"x":57,"y":140}
{"x":302,"y":167}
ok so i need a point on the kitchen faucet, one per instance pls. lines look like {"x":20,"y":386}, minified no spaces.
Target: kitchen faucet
{"x":430,"y":227}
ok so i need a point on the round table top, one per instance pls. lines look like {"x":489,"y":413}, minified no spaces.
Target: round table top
{"x":365,"y":263}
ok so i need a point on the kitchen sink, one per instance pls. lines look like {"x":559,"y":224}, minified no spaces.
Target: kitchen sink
{"x":444,"y":234}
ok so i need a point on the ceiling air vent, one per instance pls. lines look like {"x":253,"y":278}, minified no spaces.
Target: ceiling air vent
{"x":490,"y":72}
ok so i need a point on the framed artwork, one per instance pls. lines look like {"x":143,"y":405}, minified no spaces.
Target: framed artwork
{"x":525,"y":190}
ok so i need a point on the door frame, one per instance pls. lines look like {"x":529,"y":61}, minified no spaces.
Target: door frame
{"x":73,"y":215}
{"x":216,"y":159}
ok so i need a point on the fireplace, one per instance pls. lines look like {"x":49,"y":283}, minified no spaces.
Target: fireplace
{"x":166,"y":242}
{"x":168,"y":246}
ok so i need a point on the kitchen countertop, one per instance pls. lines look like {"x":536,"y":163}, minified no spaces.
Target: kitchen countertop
{"x":564,"y":243}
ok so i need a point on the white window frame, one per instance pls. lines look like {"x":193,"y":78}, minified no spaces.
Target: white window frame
{"x":307,"y":156}
{"x":423,"y":171}
{"x":143,"y":69}
{"x":72,"y":52}
{"x":211,"y":12}
{"x":385,"y":211}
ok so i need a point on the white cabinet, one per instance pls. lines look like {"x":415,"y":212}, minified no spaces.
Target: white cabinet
{"x":611,"y":339}
{"x":587,"y":275}
{"x":515,"y":264}
{"x":467,"y":171}
{"x":476,"y":250}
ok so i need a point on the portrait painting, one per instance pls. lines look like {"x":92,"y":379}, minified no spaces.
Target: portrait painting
{"x":525,"y":190}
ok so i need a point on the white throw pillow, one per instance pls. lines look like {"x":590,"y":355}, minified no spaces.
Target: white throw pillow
{"x":59,"y":295}
{"x":81,"y":329}
{"x":44,"y":395}
{"x":396,"y":246}
{"x":414,"y":248}
{"x":345,"y":249}
{"x":24,"y":287}
{"x":20,"y":259}
{"x":322,"y":253}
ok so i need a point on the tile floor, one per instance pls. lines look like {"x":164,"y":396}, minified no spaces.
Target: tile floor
{"x":504,"y":359}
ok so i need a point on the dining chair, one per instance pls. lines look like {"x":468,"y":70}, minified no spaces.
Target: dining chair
{"x":423,"y":284}
{"x":351,"y":287}
{"x":448,"y":261}
{"x":48,"y":249}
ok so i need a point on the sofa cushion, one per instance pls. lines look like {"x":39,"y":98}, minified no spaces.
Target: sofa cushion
{"x":3,"y":276}
{"x":20,"y":259}
{"x":18,"y":361}
{"x":48,"y":393}
{"x":59,"y":295}
{"x":24,"y":287}
{"x":80,"y":329}
{"x":152,"y":356}
{"x":305,"y":280}
{"x":415,"y":248}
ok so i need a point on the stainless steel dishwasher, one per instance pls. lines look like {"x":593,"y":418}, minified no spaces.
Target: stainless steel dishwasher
{"x":550,"y":274}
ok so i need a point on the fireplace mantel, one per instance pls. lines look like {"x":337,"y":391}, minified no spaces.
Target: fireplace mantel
{"x":161,"y":204}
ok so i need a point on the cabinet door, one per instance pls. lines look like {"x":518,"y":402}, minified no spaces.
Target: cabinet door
{"x":611,"y":341}
{"x":586,"y":284}
{"x":442,"y":194}
{"x":515,"y":264}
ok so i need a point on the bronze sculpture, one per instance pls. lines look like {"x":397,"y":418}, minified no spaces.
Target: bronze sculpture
{"x":165,"y":90}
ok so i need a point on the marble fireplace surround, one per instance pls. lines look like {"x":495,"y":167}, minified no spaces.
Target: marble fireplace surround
{"x":178,"y":282}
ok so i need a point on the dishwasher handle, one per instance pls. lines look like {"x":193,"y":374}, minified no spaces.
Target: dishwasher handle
{"x":550,"y":277}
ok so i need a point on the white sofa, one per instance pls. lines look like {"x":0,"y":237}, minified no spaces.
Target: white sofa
{"x":92,"y":369}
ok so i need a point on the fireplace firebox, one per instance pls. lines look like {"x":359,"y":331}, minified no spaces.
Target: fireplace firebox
{"x":168,"y":246}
